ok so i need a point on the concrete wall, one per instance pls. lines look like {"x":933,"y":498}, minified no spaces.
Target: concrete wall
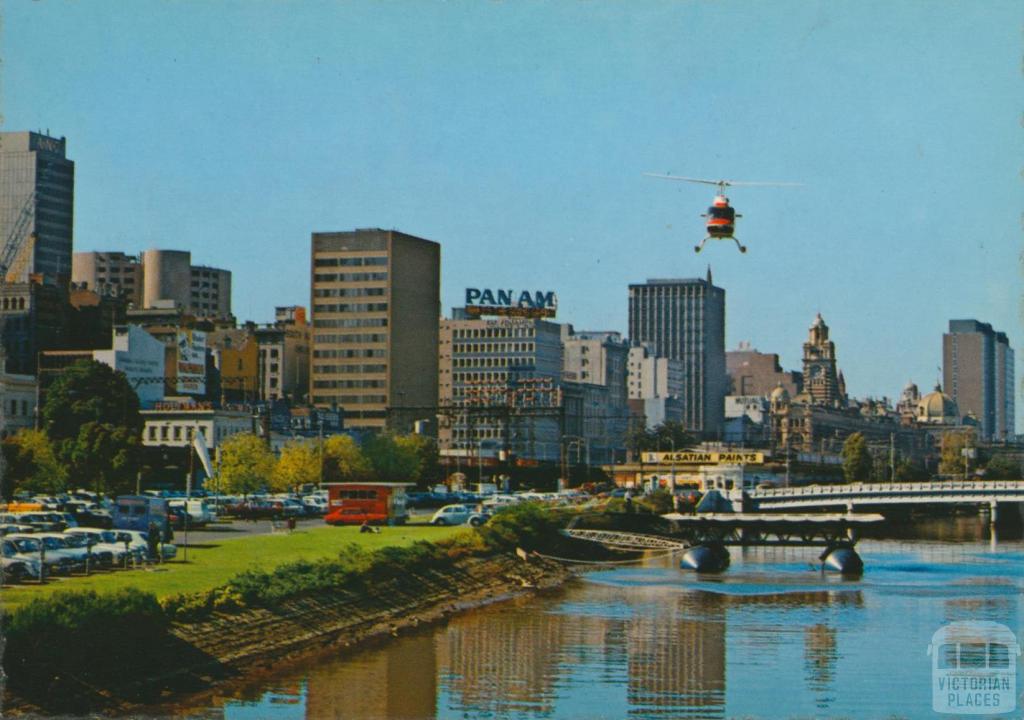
{"x":167,"y":276}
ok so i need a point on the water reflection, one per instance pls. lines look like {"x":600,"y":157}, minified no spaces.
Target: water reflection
{"x":820,"y":662}
{"x":399,"y":681}
{"x":502,"y":667}
{"x":772,"y":637}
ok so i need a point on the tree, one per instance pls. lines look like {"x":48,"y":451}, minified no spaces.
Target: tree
{"x":246,"y":465}
{"x":951,"y":459}
{"x":909,"y":471}
{"x":430,"y":470}
{"x":299,"y":464}
{"x":104,"y":456}
{"x":1003,"y":467}
{"x":394,"y":458}
{"x":344,"y":461}
{"x":667,"y":436}
{"x":91,"y":414}
{"x":857,"y":463}
{"x":89,"y":391}
{"x":31,"y":465}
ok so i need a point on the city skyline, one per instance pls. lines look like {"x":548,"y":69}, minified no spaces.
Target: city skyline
{"x":529,"y":172}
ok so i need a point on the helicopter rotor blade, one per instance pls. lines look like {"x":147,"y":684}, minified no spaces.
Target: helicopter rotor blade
{"x":763,"y":184}
{"x":724,"y":183}
{"x":687,"y":179}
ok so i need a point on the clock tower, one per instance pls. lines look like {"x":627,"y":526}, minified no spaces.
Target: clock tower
{"x":821,"y":381}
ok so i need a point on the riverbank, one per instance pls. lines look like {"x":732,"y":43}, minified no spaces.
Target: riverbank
{"x":227,"y":646}
{"x":127,"y":652}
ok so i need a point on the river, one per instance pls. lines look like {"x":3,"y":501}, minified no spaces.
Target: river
{"x":769,"y":638}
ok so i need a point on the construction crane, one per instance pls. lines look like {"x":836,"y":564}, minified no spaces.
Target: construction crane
{"x":20,"y":242}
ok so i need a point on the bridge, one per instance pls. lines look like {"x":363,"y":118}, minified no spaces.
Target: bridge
{"x":981,"y":492}
{"x":736,"y":529}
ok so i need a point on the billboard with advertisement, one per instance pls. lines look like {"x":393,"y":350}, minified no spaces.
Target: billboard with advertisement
{"x":191,"y":370}
{"x":688,"y":457}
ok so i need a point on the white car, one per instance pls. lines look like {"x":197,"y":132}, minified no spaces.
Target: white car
{"x":78,"y":546}
{"x":11,"y":556}
{"x":459,"y":515}
{"x":59,"y":559}
{"x":199,"y":511}
{"x":106,"y":541}
{"x":139,"y":539}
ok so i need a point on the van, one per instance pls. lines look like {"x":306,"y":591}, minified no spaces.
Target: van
{"x":198,"y":511}
{"x":137,"y":512}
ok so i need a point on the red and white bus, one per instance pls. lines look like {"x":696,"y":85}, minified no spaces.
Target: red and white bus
{"x":376,"y":503}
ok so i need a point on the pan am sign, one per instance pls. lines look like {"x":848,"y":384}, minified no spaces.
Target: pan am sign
{"x":508,"y":302}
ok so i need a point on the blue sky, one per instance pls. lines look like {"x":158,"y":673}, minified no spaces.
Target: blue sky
{"x":516,"y":135}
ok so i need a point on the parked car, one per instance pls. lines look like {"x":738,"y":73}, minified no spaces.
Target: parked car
{"x":13,"y":571}
{"x":40,"y":521}
{"x":460,"y":515}
{"x":103,"y":554}
{"x":314,"y":504}
{"x":107,"y":541}
{"x":89,"y":514}
{"x":198,"y":511}
{"x":79,"y":549}
{"x":266,"y":508}
{"x":56,"y":557}
{"x":7,"y":528}
{"x":140,"y":540}
{"x":12,"y":556}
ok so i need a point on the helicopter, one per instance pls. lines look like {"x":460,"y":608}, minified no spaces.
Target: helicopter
{"x":721,"y":216}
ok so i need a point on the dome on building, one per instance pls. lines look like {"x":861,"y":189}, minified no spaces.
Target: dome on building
{"x":779,"y":394}
{"x":818,"y":321}
{"x":910,"y":388}
{"x":938,"y":408}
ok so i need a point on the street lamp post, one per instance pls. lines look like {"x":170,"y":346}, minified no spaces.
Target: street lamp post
{"x":320,"y":450}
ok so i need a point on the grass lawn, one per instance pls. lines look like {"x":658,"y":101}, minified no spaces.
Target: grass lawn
{"x":212,"y":564}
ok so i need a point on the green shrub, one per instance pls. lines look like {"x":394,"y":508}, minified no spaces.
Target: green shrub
{"x":74,"y":640}
{"x":530,"y":526}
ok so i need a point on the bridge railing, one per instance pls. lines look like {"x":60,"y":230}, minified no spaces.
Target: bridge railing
{"x":883,"y":488}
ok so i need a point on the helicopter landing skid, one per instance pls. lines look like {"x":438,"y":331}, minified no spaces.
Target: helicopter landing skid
{"x":698,"y":248}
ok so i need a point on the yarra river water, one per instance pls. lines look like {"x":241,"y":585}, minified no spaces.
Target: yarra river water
{"x":769,"y":638}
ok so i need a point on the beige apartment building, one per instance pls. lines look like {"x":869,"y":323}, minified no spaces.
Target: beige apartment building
{"x":376,"y":302}
{"x":163,"y":279}
{"x":978,"y":374}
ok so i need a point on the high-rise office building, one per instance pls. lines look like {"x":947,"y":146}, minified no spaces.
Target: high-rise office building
{"x":375,"y":310}
{"x":978,"y":374}
{"x":37,"y":193}
{"x":37,"y":206}
{"x":684,"y":319}
{"x":500,"y":387}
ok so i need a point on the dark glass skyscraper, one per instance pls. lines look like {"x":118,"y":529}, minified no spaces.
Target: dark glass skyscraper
{"x":37,"y":193}
{"x":684,"y":319}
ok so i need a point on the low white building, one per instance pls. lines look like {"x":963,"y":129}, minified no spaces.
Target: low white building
{"x":140,"y":356}
{"x":174,"y":424}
